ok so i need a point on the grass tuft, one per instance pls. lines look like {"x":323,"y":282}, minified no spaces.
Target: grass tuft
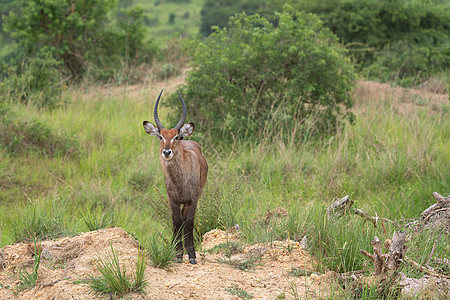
{"x":40,"y":220}
{"x":162,"y":252}
{"x":114,"y":279}
{"x":28,"y":280}
{"x":94,"y":221}
{"x":237,"y":291}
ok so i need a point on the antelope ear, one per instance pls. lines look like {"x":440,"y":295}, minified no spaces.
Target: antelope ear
{"x":187,"y":130}
{"x":151,"y":129}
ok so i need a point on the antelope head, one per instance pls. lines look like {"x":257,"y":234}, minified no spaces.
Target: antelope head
{"x":169,"y":137}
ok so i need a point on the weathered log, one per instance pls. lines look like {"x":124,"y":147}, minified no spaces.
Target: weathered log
{"x":443,"y":204}
{"x":377,"y":257}
{"x":397,"y":251}
{"x":341,"y":206}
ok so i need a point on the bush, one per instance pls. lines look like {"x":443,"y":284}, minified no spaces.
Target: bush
{"x":254,"y":79}
{"x":82,"y":36}
{"x":31,"y":81}
{"x":407,"y":64}
{"x":414,"y":34}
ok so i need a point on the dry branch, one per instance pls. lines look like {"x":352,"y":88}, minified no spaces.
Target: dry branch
{"x":340,"y":207}
{"x":424,"y":270}
{"x":374,"y":220}
{"x":442,"y":206}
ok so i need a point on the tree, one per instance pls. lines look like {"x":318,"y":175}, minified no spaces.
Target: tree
{"x":253,"y":79}
{"x":79,"y":34}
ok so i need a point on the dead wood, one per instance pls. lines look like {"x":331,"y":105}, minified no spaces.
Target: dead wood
{"x":340,"y":207}
{"x":385,"y":264}
{"x":2,"y":259}
{"x":437,"y":211}
{"x":424,"y":269}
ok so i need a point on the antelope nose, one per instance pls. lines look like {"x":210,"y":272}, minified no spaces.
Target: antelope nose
{"x":167,"y":153}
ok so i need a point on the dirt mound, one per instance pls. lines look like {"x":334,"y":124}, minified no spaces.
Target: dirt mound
{"x":67,"y":260}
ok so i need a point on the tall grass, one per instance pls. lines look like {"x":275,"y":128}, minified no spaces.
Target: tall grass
{"x":390,"y":162}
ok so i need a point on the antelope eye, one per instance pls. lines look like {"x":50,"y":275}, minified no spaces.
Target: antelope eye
{"x":177,"y":137}
{"x":160,"y":137}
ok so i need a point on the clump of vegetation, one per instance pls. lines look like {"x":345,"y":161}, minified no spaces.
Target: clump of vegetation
{"x":31,"y":80}
{"x":114,"y":279}
{"x":28,"y":280}
{"x":94,"y":219}
{"x":237,"y":291}
{"x":254,"y":79}
{"x":162,"y":252}
{"x":21,"y":137}
{"x":40,"y":220}
{"x":86,"y":37}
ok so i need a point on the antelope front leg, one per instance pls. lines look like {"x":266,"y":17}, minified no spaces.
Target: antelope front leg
{"x":177,"y":231}
{"x":188,"y":213}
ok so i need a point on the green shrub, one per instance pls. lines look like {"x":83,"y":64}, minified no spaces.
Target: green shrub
{"x":254,"y":79}
{"x":114,"y":279}
{"x":31,"y":81}
{"x":410,"y":38}
{"x":86,"y":36}
{"x":408,"y":64}
{"x":162,"y":252}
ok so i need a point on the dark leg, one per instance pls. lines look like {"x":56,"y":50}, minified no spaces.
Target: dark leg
{"x":188,"y":213}
{"x":177,"y":231}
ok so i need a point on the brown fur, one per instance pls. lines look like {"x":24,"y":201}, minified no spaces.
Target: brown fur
{"x":185,"y":175}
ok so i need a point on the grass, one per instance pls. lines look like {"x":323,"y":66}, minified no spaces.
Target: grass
{"x":114,"y":279}
{"x":237,"y":291}
{"x":389,"y":162}
{"x":162,"y":253}
{"x":250,"y":261}
{"x":28,"y":280}
{"x":41,"y":219}
{"x":185,"y":17}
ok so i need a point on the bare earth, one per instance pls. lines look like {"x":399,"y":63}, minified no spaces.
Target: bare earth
{"x":69,"y":259}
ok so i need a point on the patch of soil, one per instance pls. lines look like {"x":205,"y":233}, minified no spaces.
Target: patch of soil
{"x":70,"y":259}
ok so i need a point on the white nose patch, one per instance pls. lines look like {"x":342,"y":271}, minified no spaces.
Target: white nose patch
{"x":167,"y":154}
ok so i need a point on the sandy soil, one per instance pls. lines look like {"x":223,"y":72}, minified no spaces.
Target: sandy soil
{"x":69,"y":259}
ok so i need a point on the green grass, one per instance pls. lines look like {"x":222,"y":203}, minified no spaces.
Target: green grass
{"x":162,"y":252}
{"x":237,"y":291}
{"x":114,"y":279}
{"x":186,"y":18}
{"x":389,"y":162}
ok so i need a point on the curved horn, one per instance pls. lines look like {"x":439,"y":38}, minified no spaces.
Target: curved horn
{"x":183,"y":117}
{"x":155,"y":113}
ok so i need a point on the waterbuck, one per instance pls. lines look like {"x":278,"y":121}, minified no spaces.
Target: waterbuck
{"x":185,"y":171}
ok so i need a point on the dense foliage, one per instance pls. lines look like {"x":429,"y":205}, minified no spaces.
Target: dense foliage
{"x":404,"y":41}
{"x":255,"y":79}
{"x":394,"y":39}
{"x":217,"y":13}
{"x":83,"y":36}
